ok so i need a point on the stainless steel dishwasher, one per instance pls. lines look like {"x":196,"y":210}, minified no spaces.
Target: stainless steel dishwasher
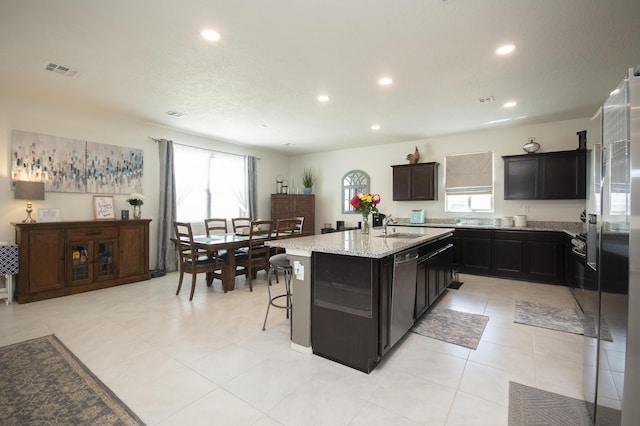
{"x":403,"y":293}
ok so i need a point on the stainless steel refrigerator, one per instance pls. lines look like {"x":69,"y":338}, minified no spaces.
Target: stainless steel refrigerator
{"x":612,"y":299}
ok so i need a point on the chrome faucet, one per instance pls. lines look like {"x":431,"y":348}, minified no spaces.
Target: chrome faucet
{"x":385,"y":222}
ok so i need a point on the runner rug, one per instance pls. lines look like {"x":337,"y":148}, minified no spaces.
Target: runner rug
{"x":459,"y":328}
{"x":569,"y":320}
{"x":535,"y":407}
{"x":42,"y":382}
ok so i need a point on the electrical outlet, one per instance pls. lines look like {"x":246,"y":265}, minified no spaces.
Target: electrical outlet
{"x":298,"y":270}
{"x":525,"y":209}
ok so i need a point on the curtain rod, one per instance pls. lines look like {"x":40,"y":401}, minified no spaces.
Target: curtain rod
{"x":192,"y":146}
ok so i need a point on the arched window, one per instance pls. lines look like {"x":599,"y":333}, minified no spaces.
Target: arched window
{"x":353,"y":182}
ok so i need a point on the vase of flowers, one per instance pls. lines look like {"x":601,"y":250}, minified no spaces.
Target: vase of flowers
{"x":365,"y":203}
{"x":136,"y":200}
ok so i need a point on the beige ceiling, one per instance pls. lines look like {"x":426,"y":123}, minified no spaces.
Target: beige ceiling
{"x":258,"y":85}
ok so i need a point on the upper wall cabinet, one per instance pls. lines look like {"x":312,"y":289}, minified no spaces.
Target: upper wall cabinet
{"x":415,"y":182}
{"x":546,"y":176}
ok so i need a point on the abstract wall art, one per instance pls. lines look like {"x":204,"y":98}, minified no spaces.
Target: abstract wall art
{"x":73,"y":165}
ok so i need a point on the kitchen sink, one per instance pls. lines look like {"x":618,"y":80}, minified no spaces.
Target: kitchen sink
{"x":400,"y":235}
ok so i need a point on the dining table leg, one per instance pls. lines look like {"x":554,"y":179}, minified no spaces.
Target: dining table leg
{"x":229,"y":271}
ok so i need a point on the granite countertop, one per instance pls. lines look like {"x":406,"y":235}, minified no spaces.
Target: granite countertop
{"x":353,"y":243}
{"x":569,"y":227}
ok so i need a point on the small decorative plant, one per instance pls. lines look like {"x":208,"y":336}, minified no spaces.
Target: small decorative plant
{"x":308,"y":179}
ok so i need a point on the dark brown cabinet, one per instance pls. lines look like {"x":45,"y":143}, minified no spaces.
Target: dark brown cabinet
{"x":415,"y":182}
{"x":352,"y":298}
{"x":525,"y":255}
{"x":347,"y":292}
{"x":435,"y":264}
{"x":545,"y":176}
{"x":62,"y":258}
{"x":284,"y":206}
{"x":473,"y":251}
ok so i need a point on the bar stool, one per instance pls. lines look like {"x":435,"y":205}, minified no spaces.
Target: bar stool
{"x":280,"y":263}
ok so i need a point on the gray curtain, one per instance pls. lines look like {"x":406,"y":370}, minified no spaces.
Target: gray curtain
{"x":166,"y":256}
{"x":252,"y":184}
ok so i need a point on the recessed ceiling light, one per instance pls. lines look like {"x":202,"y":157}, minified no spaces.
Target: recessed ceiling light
{"x":210,"y":35}
{"x":323,"y":98}
{"x":510,"y":104}
{"x":375,"y":127}
{"x":385,"y":81}
{"x":506,"y":49}
{"x":288,"y":144}
{"x":264,"y":126}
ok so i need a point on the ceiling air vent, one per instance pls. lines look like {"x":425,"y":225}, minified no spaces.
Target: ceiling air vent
{"x":485,"y":100}
{"x":175,"y":114}
{"x":61,"y":69}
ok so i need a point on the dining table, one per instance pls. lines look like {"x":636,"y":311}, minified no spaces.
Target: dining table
{"x":229,"y":242}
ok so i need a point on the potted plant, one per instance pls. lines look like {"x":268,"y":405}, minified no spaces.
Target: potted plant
{"x":308,"y":179}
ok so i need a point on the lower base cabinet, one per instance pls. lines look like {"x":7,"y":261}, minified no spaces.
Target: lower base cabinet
{"x":352,"y":297}
{"x":346,"y":321}
{"x":435,"y":264}
{"x":525,"y":255}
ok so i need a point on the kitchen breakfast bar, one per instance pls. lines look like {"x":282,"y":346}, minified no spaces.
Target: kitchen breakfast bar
{"x":355,"y":296}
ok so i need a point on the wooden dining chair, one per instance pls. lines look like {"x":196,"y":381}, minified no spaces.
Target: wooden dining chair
{"x":215,"y":226}
{"x":257,"y":256}
{"x":241,"y":225}
{"x":192,"y":260}
{"x":285,"y":228}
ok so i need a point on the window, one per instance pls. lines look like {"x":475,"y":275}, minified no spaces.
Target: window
{"x":353,"y":183}
{"x":469,"y":182}
{"x":209,"y":184}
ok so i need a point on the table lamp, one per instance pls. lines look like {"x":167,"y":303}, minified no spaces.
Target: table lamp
{"x":29,"y":191}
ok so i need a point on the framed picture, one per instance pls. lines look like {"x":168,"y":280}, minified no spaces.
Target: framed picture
{"x":103,"y":207}
{"x":48,"y":215}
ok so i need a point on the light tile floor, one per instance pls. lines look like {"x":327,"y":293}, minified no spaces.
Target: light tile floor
{"x":176,"y":362}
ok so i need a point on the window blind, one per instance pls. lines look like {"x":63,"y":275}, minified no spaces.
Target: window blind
{"x":469,"y":173}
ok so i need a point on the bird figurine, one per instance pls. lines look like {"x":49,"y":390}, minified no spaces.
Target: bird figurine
{"x":413,"y":158}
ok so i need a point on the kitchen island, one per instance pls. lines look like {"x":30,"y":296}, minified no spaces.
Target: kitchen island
{"x":355,"y":296}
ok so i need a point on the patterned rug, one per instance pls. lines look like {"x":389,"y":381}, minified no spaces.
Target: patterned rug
{"x":42,"y":382}
{"x":534,"y":407}
{"x":569,"y":320}
{"x":459,"y":328}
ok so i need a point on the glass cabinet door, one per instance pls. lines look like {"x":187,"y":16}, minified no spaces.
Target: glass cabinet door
{"x":92,"y":261}
{"x":104,"y":259}
{"x":80,"y":262}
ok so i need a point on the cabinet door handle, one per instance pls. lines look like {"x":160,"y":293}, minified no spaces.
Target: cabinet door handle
{"x":94,"y":233}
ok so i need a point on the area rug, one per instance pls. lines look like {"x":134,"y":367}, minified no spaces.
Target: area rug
{"x":569,"y":320}
{"x":459,"y":328}
{"x":535,"y":407}
{"x":42,"y":382}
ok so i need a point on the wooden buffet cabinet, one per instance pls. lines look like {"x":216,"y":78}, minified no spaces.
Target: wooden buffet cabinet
{"x":63,"y":258}
{"x":284,"y":206}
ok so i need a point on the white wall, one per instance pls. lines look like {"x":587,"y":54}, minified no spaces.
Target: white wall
{"x":376,"y":161}
{"x":61,"y":118}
